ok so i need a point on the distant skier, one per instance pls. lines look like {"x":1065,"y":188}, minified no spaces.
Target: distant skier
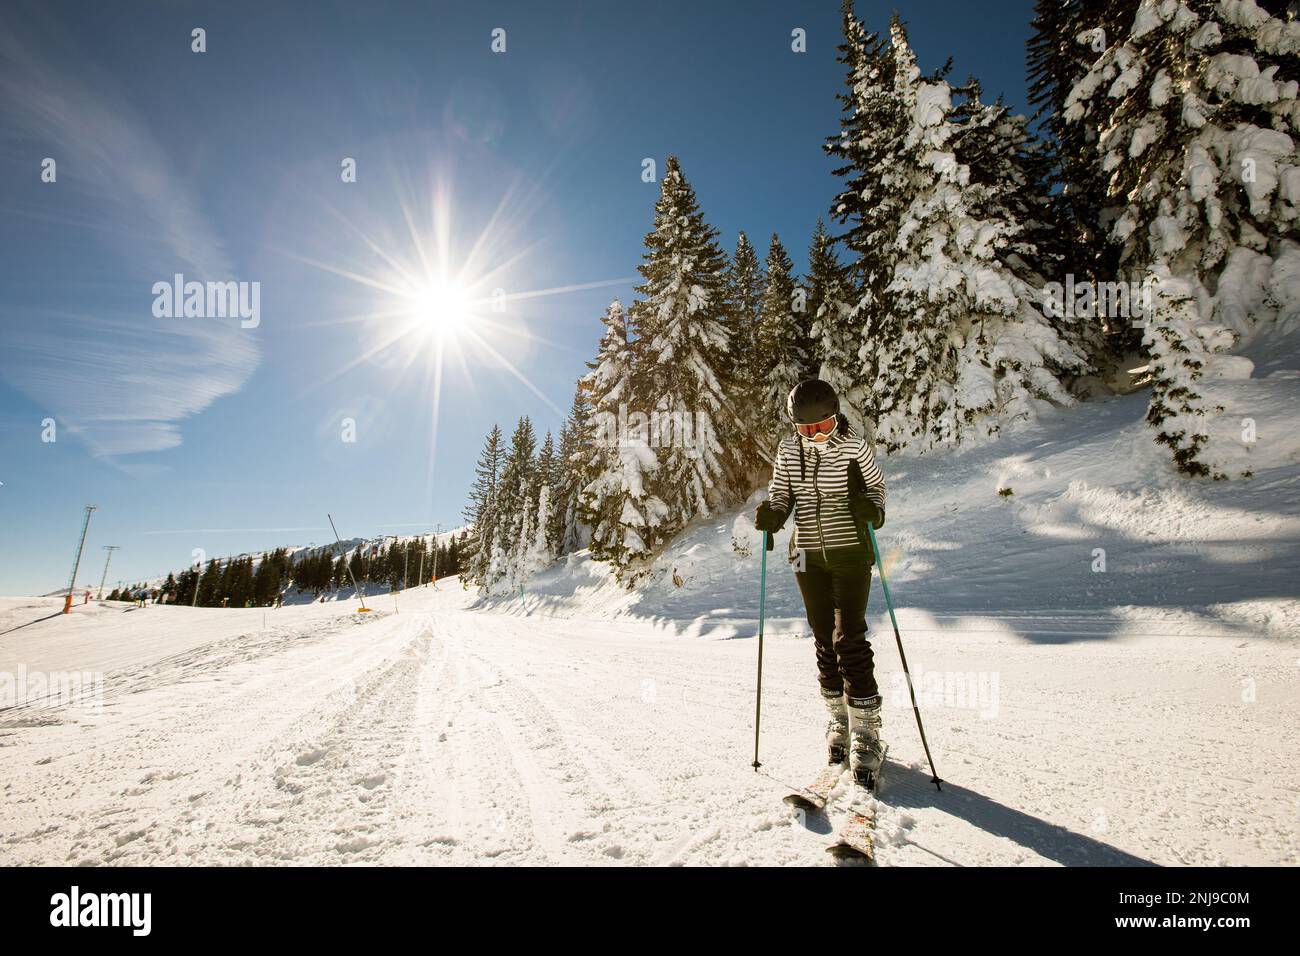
{"x":828,"y":475}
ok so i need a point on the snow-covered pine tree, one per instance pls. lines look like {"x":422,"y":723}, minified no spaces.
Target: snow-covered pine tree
{"x":1179,"y":353}
{"x":836,"y":335}
{"x":563,"y":471}
{"x":906,"y":337}
{"x":957,"y":344}
{"x":874,"y":194}
{"x":497,"y":575}
{"x":514,"y":502}
{"x":779,"y":359}
{"x":573,"y":458}
{"x":617,"y":503}
{"x":536,"y":552}
{"x":520,"y":557}
{"x":450,"y":556}
{"x":745,"y":284}
{"x":685,"y":360}
{"x":1067,"y":37}
{"x":480,"y":507}
{"x":1194,"y":107}
{"x":1009,"y":180}
{"x":548,"y":476}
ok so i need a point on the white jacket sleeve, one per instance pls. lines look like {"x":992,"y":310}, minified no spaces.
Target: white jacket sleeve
{"x":872,"y":475}
{"x":779,"y":493}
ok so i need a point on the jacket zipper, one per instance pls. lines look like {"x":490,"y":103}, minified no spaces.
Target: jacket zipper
{"x":817,"y":495}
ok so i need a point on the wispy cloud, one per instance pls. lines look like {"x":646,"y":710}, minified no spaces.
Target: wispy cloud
{"x":232,"y":530}
{"x":94,"y":355}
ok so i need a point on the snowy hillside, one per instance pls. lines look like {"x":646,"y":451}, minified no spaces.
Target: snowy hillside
{"x":1220,"y":554}
{"x":295,"y":553}
{"x":1136,"y":715}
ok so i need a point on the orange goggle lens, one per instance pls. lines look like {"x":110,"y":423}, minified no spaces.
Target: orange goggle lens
{"x":824,"y":427}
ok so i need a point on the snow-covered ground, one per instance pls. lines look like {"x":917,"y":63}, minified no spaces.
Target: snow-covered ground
{"x":1141,"y":714}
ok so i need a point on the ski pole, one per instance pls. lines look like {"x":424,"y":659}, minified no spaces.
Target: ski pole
{"x":762,"y":599}
{"x":889,"y":603}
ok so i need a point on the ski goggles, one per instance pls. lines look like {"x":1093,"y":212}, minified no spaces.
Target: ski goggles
{"x":824,"y":427}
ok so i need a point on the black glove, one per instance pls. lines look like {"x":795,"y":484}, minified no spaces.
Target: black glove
{"x":864,"y":509}
{"x":769,"y":519}
{"x":861,"y":507}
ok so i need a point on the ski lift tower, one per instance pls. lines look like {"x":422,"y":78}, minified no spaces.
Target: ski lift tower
{"x":110,"y":548}
{"x":437,"y":531}
{"x":76,"y":563}
{"x":361,"y":595}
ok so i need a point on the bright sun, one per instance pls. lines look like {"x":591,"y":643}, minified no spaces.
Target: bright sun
{"x":429,"y":306}
{"x":443,"y":307}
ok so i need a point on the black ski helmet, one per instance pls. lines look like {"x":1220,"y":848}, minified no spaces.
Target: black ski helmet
{"x":812,"y":401}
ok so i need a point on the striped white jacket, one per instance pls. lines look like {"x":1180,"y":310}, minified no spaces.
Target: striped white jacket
{"x":815,"y":479}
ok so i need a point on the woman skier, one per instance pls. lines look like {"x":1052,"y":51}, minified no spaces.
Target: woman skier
{"x":828,"y":475}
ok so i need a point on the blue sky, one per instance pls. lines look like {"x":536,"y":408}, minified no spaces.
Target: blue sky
{"x":196,"y":433}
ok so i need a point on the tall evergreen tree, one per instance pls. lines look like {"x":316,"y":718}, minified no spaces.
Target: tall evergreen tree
{"x":745,"y":285}
{"x":954,"y":341}
{"x":210,"y":585}
{"x":519,"y":551}
{"x":1068,"y":35}
{"x":780,"y":358}
{"x":356,"y":567}
{"x":515,"y":505}
{"x":185,"y":586}
{"x":266,"y":579}
{"x":548,"y":478}
{"x":617,"y":503}
{"x":533,"y":551}
{"x":836,"y":332}
{"x":1008,"y":183}
{"x":518,"y":471}
{"x":480,"y":510}
{"x":573,"y":457}
{"x":240,"y":588}
{"x":685,"y":358}
{"x":976,"y":350}
{"x":874,"y":161}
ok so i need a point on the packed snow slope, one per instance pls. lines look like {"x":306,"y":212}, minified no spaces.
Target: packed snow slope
{"x":1141,"y":714}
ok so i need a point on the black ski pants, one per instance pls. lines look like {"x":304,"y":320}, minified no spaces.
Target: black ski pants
{"x":835,"y":584}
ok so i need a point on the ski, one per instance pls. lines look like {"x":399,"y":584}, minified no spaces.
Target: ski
{"x":815,"y":795}
{"x":855,"y":839}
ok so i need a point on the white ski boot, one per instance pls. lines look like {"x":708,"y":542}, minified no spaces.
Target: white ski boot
{"x":866,"y":749}
{"x":837,"y":727}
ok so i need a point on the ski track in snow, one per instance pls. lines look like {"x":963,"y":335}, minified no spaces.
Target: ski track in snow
{"x":447,"y":735}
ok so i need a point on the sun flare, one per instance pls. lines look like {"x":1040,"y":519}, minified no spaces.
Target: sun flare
{"x":438,"y":299}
